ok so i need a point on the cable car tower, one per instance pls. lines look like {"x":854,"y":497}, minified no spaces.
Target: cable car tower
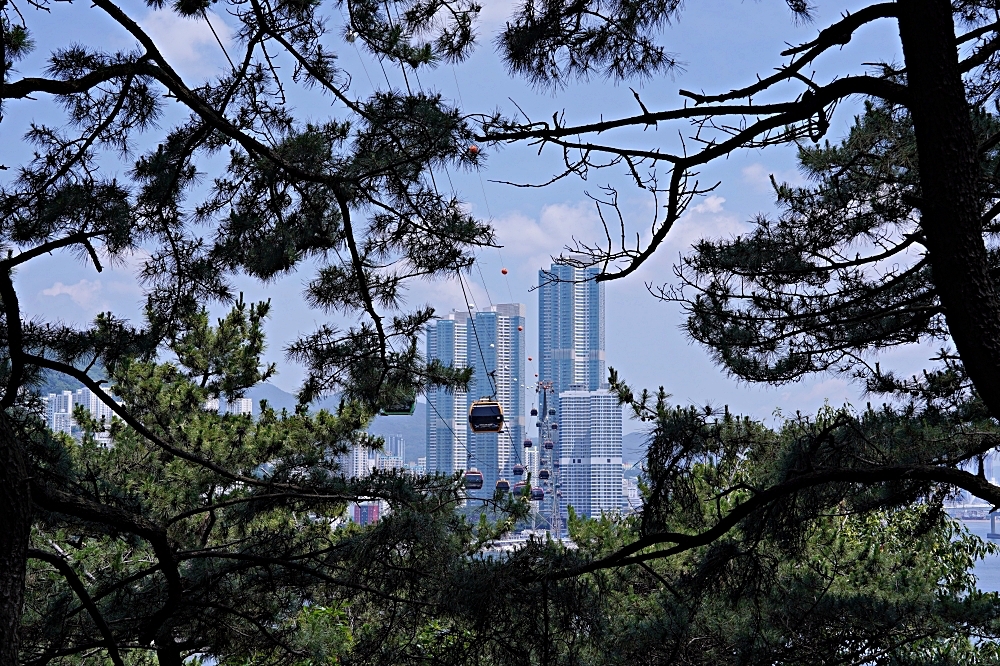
{"x":548,"y":460}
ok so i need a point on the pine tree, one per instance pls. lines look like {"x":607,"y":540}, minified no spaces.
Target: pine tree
{"x":891,"y":242}
{"x":353,"y":191}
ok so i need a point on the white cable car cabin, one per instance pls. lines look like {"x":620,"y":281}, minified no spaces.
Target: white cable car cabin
{"x":473,"y":479}
{"x":518,"y":469}
{"x":486,"y":415}
{"x":503,"y":485}
{"x":537,"y":494}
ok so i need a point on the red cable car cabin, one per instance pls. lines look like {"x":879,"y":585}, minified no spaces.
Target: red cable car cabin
{"x":473,"y":479}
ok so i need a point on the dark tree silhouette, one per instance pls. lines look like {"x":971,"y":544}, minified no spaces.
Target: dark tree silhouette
{"x":893,"y":242}
{"x":352,"y":191}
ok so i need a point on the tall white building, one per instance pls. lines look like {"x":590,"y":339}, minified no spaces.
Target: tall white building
{"x":590,"y":452}
{"x":360,"y":461}
{"x":59,"y":411}
{"x":240,"y":406}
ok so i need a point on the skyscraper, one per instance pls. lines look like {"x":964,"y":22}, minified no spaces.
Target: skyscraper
{"x":571,"y":328}
{"x":572,"y":358}
{"x":447,"y":419}
{"x":497,"y":355}
{"x":590,"y":452}
{"x":491,"y":342}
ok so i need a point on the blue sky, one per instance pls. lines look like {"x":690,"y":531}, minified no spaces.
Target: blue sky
{"x":722,"y":44}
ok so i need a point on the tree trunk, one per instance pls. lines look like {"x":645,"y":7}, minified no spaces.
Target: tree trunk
{"x":167,"y":653}
{"x":15,"y":530}
{"x":951,"y":207}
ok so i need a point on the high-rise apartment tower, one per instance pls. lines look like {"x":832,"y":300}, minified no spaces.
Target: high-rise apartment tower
{"x":447,"y":411}
{"x":571,"y":329}
{"x":590,"y":452}
{"x":572,"y":357}
{"x":491,"y":342}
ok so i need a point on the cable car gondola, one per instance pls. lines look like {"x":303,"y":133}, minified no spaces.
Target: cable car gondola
{"x":503,"y":485}
{"x":528,"y":443}
{"x":404,"y":407}
{"x":518,"y":469}
{"x":486,"y":415}
{"x":555,"y":426}
{"x":518,"y":487}
{"x":473,"y":479}
{"x":552,"y":411}
{"x":543,"y":474}
{"x":537,"y":494}
{"x":534,"y":412}
{"x":549,"y":445}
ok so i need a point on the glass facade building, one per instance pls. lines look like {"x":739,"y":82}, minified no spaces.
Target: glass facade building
{"x":571,"y":339}
{"x":571,"y":328}
{"x":491,"y":342}
{"x":447,"y":419}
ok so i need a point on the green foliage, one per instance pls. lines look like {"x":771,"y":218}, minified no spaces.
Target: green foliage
{"x":230,"y":531}
{"x":225,"y":359}
{"x":839,"y":274}
{"x":884,"y":586}
{"x":201,"y":536}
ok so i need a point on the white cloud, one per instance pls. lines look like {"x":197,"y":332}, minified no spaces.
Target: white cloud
{"x":85,"y":293}
{"x":93,"y":296}
{"x":188,"y":43}
{"x":712,"y":204}
{"x":758,"y":176}
{"x":532,"y":242}
{"x":495,"y":14}
{"x":707,"y":219}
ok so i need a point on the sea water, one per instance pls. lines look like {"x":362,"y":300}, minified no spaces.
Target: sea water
{"x":988,"y":569}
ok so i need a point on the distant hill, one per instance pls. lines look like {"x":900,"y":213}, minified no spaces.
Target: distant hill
{"x":57,"y":382}
{"x":276,"y":398}
{"x":634,"y":446}
{"x":412,"y":428}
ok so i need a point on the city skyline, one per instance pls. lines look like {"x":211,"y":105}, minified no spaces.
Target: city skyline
{"x":490,"y":340}
{"x":572,"y":367}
